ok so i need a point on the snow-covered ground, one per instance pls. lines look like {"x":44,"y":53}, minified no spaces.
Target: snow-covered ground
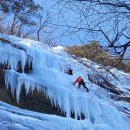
{"x":48,"y":74}
{"x":12,"y":118}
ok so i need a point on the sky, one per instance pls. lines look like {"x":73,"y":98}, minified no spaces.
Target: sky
{"x":64,"y":15}
{"x":62,"y":35}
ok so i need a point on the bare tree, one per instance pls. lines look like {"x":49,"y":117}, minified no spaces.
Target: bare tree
{"x":108,"y":20}
{"x":42,"y":22}
{"x":23,"y":13}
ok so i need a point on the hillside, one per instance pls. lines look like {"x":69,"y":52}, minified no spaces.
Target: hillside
{"x":99,"y":54}
{"x":32,"y":76}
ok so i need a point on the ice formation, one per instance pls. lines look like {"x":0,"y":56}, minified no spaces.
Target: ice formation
{"x":11,"y":57}
{"x":48,"y":75}
{"x":18,"y":119}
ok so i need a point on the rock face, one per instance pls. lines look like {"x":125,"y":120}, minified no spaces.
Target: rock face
{"x":35,"y":101}
{"x":104,"y":83}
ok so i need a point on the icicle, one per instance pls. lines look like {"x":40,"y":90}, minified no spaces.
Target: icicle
{"x":11,"y":57}
{"x":11,"y":79}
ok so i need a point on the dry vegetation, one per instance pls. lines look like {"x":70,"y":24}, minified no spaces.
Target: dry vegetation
{"x":94,"y":52}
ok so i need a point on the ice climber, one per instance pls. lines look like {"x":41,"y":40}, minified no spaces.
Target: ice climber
{"x":69,"y":71}
{"x":80,"y":82}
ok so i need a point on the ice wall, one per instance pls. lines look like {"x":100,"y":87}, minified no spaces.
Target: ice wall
{"x":47,"y":76}
{"x":12,"y":57}
{"x":96,"y":111}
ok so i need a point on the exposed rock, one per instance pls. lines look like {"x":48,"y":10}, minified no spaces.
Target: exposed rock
{"x":128,"y":90}
{"x":127,"y":99}
{"x":6,"y":41}
{"x":104,"y":83}
{"x":28,"y":65}
{"x":27,"y":68}
{"x":35,"y":101}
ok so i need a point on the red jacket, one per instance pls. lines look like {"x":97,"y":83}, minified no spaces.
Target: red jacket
{"x":78,"y":80}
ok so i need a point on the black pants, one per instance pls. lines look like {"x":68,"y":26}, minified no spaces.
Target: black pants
{"x":83,"y":84}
